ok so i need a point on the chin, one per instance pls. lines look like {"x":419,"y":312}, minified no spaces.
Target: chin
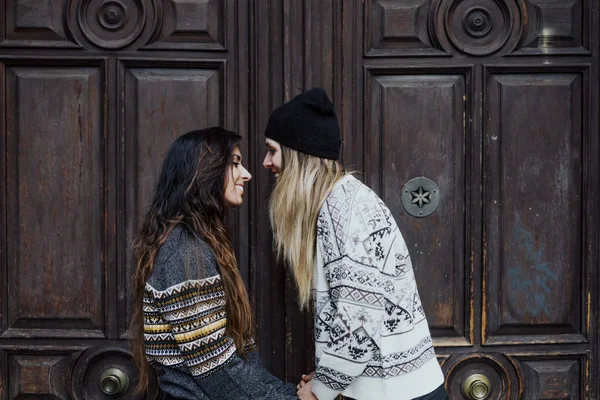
{"x":235,"y":203}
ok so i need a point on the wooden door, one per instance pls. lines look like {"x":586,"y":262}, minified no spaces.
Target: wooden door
{"x":92,"y":94}
{"x":495,"y":102}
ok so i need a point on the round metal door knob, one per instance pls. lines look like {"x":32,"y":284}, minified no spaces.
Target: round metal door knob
{"x":477,"y":387}
{"x":114,"y":382}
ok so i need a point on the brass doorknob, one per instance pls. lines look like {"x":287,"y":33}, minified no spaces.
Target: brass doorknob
{"x":477,"y":387}
{"x":114,"y":382}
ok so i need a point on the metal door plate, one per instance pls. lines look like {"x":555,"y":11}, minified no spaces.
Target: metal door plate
{"x":420,"y":197}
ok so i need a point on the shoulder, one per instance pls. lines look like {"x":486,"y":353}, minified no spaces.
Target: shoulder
{"x":345,"y":188}
{"x":357,"y":210}
{"x":348,"y":195}
{"x":340,"y":195}
{"x":184,"y":256}
{"x":180,"y":242}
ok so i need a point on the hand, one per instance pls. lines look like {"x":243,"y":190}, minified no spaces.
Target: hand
{"x":308,"y":377}
{"x":305,"y":391}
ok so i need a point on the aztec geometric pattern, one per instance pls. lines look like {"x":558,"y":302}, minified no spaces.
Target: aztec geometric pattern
{"x":367,"y":292}
{"x":184,"y":326}
{"x":334,"y":379}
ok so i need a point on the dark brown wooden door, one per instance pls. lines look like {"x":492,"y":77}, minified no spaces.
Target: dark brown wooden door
{"x":93,"y":93}
{"x":494,"y":101}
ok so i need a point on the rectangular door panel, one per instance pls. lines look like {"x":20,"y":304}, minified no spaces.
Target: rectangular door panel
{"x":416,"y":127}
{"x":398,"y":28}
{"x":535,"y":199}
{"x":551,"y":377}
{"x":34,"y":23}
{"x":193,"y":25}
{"x":56,"y":205}
{"x":39,"y":374}
{"x":556,"y":27}
{"x":161,"y":102}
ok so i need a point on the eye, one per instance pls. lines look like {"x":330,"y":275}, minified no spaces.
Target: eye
{"x":271,"y":151}
{"x":236,"y":164}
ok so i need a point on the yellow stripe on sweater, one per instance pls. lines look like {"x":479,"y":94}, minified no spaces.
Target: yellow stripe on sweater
{"x":157,"y":328}
{"x":200,"y":332}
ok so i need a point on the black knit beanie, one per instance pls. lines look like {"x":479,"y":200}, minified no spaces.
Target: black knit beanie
{"x":307,"y":123}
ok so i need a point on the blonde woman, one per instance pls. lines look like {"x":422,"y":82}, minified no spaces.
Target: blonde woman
{"x":348,"y":257}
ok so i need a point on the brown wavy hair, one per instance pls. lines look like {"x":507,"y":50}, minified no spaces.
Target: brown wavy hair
{"x":191,"y":192}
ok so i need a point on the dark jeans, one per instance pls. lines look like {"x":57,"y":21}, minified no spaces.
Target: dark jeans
{"x":438,"y":394}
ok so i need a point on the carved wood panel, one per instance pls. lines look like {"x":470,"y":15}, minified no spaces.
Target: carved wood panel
{"x":557,"y":27}
{"x":430,"y":143}
{"x":553,"y":376}
{"x":34,"y":23}
{"x":112,"y":24}
{"x":529,"y":236}
{"x":38,"y":374}
{"x":79,"y":157}
{"x":55,"y":203}
{"x":192,"y":25}
{"x":160,"y":104}
{"x":534,"y":163}
{"x":420,"y":87}
{"x":399,"y":28}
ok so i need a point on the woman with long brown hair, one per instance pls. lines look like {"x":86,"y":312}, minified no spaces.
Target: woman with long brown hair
{"x":348,"y":256}
{"x":193,"y":319}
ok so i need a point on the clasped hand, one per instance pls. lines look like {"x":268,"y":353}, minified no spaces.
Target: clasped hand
{"x":305,"y":387}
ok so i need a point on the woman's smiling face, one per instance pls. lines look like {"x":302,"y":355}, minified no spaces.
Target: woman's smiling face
{"x":235,"y":179}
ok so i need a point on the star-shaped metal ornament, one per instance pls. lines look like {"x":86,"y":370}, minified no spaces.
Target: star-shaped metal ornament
{"x":420,"y":197}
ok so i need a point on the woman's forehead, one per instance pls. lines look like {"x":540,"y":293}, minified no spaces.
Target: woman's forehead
{"x":271,"y":142}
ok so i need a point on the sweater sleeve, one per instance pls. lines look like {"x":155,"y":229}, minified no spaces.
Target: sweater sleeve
{"x":209,"y":354}
{"x":357,"y":302}
{"x":246,"y":380}
{"x":194,"y":311}
{"x":188,"y":298}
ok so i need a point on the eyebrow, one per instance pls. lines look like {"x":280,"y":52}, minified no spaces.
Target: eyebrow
{"x":237,"y":157}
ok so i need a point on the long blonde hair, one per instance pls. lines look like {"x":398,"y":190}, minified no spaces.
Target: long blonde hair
{"x":304,"y":183}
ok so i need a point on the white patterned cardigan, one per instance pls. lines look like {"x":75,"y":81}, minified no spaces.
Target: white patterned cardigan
{"x":372,"y":337}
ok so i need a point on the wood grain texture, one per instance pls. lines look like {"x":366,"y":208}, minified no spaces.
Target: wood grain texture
{"x":421,"y":87}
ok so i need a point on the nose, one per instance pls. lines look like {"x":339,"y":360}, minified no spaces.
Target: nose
{"x":267,"y":161}
{"x":246,"y":176}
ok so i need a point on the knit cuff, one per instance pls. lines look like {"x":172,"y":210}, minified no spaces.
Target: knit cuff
{"x":322,"y":391}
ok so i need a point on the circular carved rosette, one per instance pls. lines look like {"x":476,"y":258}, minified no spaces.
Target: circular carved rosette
{"x":478,"y":27}
{"x":107,"y":373}
{"x":114,"y":24}
{"x":482,"y":376}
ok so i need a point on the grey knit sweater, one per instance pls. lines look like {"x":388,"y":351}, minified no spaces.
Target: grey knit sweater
{"x":185,"y":329}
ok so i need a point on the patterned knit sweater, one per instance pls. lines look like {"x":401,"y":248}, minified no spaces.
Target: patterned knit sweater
{"x":185,"y":329}
{"x":372,"y":338}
